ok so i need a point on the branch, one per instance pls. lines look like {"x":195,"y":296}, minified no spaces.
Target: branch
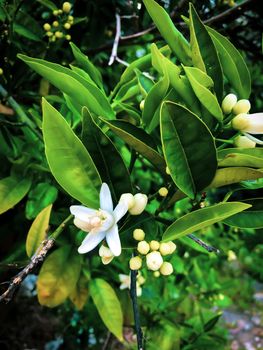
{"x":37,"y":258}
{"x":116,"y":40}
{"x":136,"y":314}
{"x":206,"y":246}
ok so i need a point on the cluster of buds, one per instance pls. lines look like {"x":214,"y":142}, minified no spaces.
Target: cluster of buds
{"x":135,"y":203}
{"x":63,"y":22}
{"x":126,"y":282}
{"x":154,"y":252}
{"x":242,"y":121}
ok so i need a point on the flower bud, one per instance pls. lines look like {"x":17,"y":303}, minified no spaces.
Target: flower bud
{"x":58,"y":35}
{"x":154,"y":261}
{"x":166,"y":269}
{"x":165,"y":249}
{"x":47,"y":27}
{"x":156,"y":274}
{"x":67,"y":25}
{"x":49,"y":34}
{"x":106,"y":255}
{"x":242,"y":106}
{"x":1,"y":71}
{"x":250,"y":123}
{"x":228,"y":103}
{"x":138,"y":234}
{"x":55,"y":24}
{"x":143,"y":247}
{"x":140,"y":279}
{"x":71,"y":19}
{"x":154,"y":245}
{"x":68,"y":37}
{"x":55,"y":12}
{"x":244,"y":142}
{"x":138,"y":290}
{"x":66,"y":7}
{"x":139,"y":205}
{"x":142,"y":105}
{"x":135,"y":263}
{"x":128,"y":199}
{"x":163,"y":191}
{"x":172,"y":247}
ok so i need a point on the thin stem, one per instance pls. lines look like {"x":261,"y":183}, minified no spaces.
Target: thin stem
{"x":114,"y":51}
{"x":136,"y":314}
{"x":37,"y":258}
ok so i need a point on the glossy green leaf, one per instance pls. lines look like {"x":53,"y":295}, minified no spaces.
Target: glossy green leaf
{"x":205,"y":96}
{"x":84,"y":62}
{"x":108,"y":306}
{"x":72,"y":84}
{"x":228,"y":176}
{"x":142,"y":63}
{"x":202,"y":218}
{"x":39,"y":197}
{"x":107,"y":159}
{"x":139,"y":140}
{"x":180,"y":83}
{"x":241,"y":157}
{"x":204,"y":53}
{"x":25,"y":32}
{"x":188,"y":147}
{"x":251,"y":218}
{"x":233,"y":64}
{"x":145,"y":82}
{"x":58,"y":276}
{"x":69,"y":161}
{"x":169,"y":32}
{"x":12,"y":191}
{"x":38,"y":231}
{"x":153,"y":101}
{"x":80,"y":293}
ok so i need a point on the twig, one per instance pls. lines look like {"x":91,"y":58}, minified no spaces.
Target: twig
{"x":37,"y":258}
{"x":136,"y":314}
{"x":107,"y":340}
{"x":116,"y":40}
{"x":206,"y":246}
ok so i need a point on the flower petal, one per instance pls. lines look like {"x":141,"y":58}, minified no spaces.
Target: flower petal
{"x":105,"y":198}
{"x":113,"y":240}
{"x":81,"y":212}
{"x":91,"y":241}
{"x":119,"y":211}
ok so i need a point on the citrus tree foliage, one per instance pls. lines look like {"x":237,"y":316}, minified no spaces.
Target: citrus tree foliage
{"x":171,"y":120}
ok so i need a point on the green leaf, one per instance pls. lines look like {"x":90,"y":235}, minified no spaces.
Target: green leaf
{"x":80,"y":90}
{"x":202,"y":218}
{"x":180,"y":83}
{"x":153,"y":102}
{"x":188,"y":147}
{"x":49,"y":4}
{"x":107,"y":159}
{"x":204,"y":53}
{"x":108,"y":305}
{"x":228,"y":176}
{"x":205,"y":96}
{"x":145,"y":83}
{"x":12,"y":190}
{"x":139,"y":140}
{"x":233,"y":65}
{"x":169,"y":32}
{"x":26,"y":33}
{"x":69,"y":161}
{"x":80,"y":293}
{"x":231,"y":157}
{"x":58,"y":276}
{"x":39,"y":197}
{"x":251,"y":218}
{"x":38,"y":231}
{"x":84,"y":62}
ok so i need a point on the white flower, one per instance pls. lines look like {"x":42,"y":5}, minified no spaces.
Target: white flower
{"x":249,"y":124}
{"x":101,"y":223}
{"x":154,"y":261}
